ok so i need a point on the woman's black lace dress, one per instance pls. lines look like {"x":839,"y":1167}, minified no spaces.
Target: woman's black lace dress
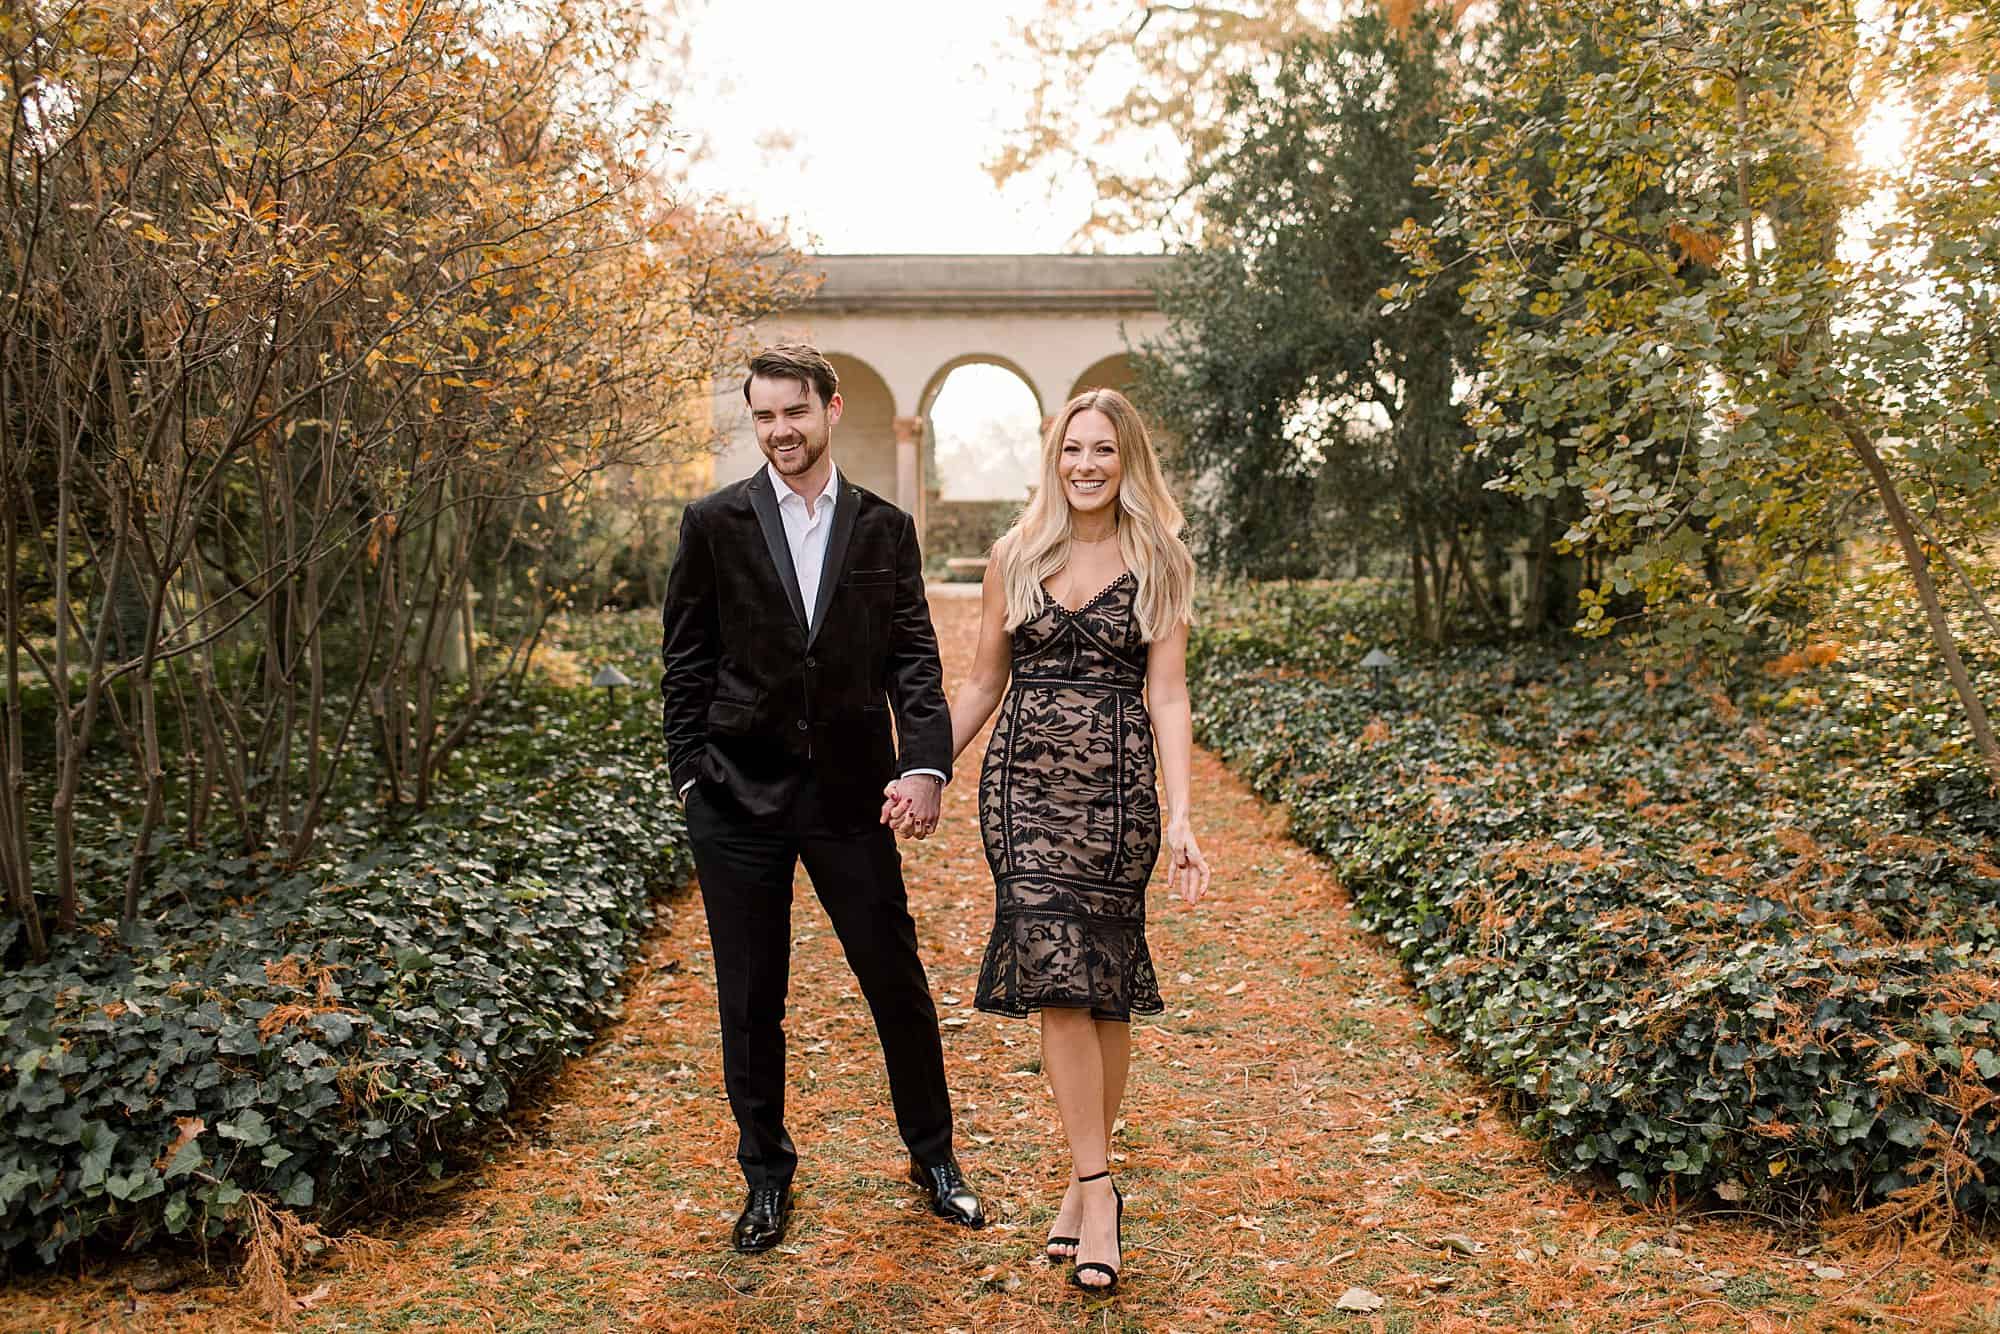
{"x":1070,"y":817}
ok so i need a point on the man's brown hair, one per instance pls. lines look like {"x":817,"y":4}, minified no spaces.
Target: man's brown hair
{"x":794,"y":361}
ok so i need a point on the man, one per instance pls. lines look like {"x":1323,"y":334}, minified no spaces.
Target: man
{"x":795,"y":625}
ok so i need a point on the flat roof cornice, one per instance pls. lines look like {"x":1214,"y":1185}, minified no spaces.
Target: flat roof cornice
{"x":856,"y":284}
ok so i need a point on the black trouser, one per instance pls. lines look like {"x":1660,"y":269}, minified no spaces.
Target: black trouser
{"x":745,"y":867}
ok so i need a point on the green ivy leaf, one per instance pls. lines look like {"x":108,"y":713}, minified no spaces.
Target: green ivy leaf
{"x":175,"y":1214}
{"x":249,"y":1126}
{"x":186,"y":1159}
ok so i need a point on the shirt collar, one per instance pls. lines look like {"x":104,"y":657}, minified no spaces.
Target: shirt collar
{"x":785,"y":492}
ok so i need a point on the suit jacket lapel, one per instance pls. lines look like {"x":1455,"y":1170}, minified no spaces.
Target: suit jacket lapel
{"x":836,"y":556}
{"x":765,"y":502}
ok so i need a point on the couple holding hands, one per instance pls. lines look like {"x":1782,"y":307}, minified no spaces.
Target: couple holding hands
{"x":795,"y":630}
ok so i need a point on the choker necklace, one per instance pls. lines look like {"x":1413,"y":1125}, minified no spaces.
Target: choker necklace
{"x":1093,"y":541}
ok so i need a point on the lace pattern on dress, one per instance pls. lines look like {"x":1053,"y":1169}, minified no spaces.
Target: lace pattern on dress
{"x":1070,"y":816}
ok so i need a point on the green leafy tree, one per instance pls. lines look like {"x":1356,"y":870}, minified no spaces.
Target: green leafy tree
{"x":1698,"y":329}
{"x":1316,"y":417}
{"x":1128,"y":94}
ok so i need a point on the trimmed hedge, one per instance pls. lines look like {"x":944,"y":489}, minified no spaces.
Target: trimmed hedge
{"x":1700,"y":949}
{"x":317,"y":1038}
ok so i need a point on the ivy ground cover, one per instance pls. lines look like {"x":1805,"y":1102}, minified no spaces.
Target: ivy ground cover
{"x":1730,"y":939}
{"x":1293,"y":1131}
{"x":311,"y":1039}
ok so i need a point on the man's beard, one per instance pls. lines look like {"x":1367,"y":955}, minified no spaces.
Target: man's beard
{"x":801,"y":460}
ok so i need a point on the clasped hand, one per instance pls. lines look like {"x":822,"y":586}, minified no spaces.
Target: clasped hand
{"x":910,"y":805}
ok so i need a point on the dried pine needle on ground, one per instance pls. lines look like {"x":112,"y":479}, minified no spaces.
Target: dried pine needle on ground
{"x":1296,"y":1149}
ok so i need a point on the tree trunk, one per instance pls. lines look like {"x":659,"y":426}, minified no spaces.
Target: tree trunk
{"x":1421,"y":595}
{"x":1443,"y":568}
{"x":1472,"y":575}
{"x":1535,"y":619}
{"x":151,"y":768}
{"x":14,"y":857}
{"x":1965,"y":579}
{"x":1491,"y":559}
{"x":1920,"y":574}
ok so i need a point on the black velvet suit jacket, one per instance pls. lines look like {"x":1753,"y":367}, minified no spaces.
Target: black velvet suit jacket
{"x":751,"y":703}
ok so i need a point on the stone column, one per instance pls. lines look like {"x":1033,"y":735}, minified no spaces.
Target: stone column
{"x":909,"y":435}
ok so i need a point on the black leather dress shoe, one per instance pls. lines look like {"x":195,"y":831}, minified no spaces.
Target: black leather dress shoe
{"x":762,"y":1223}
{"x":949,"y":1196}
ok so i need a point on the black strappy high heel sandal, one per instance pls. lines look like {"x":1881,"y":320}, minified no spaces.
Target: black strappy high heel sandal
{"x":1076,"y":1274}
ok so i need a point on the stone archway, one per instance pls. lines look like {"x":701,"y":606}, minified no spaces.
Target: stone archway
{"x":903,"y":322}
{"x":1113,"y":372}
{"x":982,"y":428}
{"x":1117,"y":372}
{"x":961,"y":525}
{"x":937,"y":378}
{"x":864,"y":444}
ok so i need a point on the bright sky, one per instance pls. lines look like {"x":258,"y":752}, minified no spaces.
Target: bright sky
{"x":890,"y":108}
{"x":865,"y":128}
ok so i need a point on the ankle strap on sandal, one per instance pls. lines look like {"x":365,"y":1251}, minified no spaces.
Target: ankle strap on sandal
{"x":1096,"y":1176}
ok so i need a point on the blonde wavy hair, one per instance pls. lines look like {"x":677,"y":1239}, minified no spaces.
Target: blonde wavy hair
{"x":1149,"y":525}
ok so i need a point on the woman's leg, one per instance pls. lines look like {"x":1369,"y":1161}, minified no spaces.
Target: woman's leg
{"x":1114,"y":1046}
{"x":1075,"y":1068}
{"x":1114,"y":1043}
{"x":1076,"y":1075}
{"x":1075,"y":1063}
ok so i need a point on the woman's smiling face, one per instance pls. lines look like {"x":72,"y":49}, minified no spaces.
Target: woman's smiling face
{"x":1089,"y":464}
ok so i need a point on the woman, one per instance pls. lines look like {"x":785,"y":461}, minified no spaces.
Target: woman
{"x":1086,"y":607}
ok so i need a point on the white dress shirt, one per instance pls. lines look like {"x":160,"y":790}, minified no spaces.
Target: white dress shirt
{"x":806,"y":536}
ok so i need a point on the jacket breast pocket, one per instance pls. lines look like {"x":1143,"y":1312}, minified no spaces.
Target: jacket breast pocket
{"x":870,"y":598}
{"x":732,"y":717}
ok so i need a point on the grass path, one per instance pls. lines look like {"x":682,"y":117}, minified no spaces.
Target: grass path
{"x":1293,"y":1131}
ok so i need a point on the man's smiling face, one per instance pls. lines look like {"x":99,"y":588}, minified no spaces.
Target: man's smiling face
{"x":793,"y":427}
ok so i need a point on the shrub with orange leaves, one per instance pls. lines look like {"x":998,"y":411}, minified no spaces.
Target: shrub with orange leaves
{"x":340,"y":334}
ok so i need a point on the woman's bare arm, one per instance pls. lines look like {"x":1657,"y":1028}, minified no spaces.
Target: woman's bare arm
{"x":992,"y":664}
{"x":1173,"y":734}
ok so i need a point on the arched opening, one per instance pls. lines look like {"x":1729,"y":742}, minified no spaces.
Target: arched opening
{"x":1117,"y":372}
{"x":864,"y":444}
{"x":984,"y":432}
{"x":1113,"y":372}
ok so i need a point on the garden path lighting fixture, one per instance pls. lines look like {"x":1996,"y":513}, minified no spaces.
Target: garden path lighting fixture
{"x":611,"y":678}
{"x":1378,"y":665}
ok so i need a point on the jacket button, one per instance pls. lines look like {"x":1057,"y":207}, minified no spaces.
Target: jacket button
{"x":812,"y":662}
{"x":802,"y":724}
